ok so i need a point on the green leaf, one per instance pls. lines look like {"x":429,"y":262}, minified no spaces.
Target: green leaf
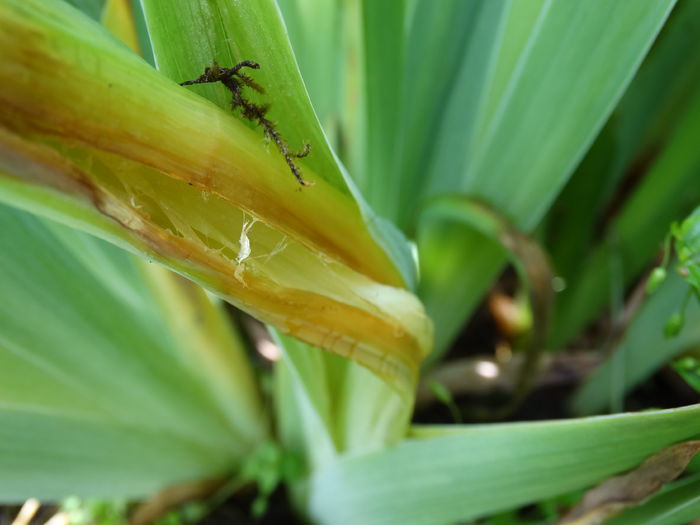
{"x":305,"y":386}
{"x":384,"y":62}
{"x":105,"y":391}
{"x":531,"y":92}
{"x":316,"y":33}
{"x":450,"y":52}
{"x":637,"y":132}
{"x":92,"y":8}
{"x":643,"y":349}
{"x":492,"y":87}
{"x":667,"y":192}
{"x":650,"y":144}
{"x":142,"y":32}
{"x":451,"y":474}
{"x":553,"y":64}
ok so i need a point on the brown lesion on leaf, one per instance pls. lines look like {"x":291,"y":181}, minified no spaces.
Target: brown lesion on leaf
{"x":356,"y":333}
{"x":234,"y":80}
{"x":40,"y":165}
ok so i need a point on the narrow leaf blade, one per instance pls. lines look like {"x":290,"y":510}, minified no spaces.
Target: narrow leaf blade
{"x":457,"y":473}
{"x":98,"y":396}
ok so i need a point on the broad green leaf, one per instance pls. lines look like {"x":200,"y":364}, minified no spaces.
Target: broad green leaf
{"x":667,"y":192}
{"x":117,"y":377}
{"x":451,"y":474}
{"x":551,"y":64}
{"x":571,"y":226}
{"x":678,"y":505}
{"x":449,"y":52}
{"x":353,"y":131}
{"x":633,"y":137}
{"x":533,"y":88}
{"x":491,"y":87}
{"x":161,"y":169}
{"x":647,"y":146}
{"x":328,"y":41}
{"x":643,"y":349}
{"x":316,"y":33}
{"x":54,"y":456}
{"x":384,"y":61}
{"x":142,"y":32}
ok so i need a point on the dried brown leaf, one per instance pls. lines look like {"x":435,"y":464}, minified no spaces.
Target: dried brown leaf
{"x":615,"y":494}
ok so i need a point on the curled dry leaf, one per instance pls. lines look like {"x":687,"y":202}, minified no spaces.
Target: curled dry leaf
{"x":615,"y":494}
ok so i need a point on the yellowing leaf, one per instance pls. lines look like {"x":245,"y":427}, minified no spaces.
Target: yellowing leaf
{"x":182,"y":181}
